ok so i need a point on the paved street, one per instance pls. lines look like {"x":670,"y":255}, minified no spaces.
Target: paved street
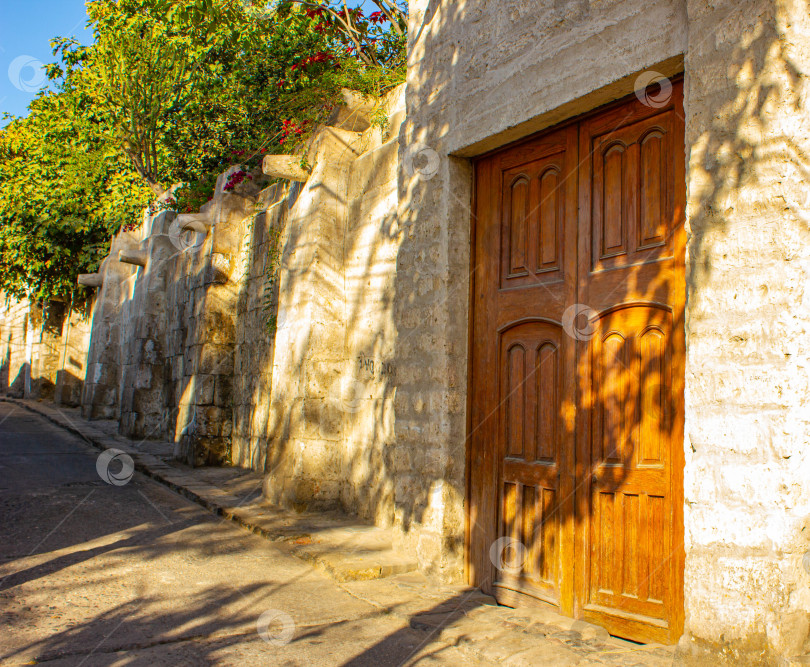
{"x":93,"y":573}
{"x":96,"y":574}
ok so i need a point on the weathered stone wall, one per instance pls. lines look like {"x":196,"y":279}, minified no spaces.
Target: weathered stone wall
{"x":257,"y":304}
{"x":748,"y":348}
{"x":161,"y":354}
{"x":314,"y":382}
{"x":483,"y":74}
{"x":43,"y":350}
{"x":146,"y":353}
{"x":72,"y":363}
{"x":101,"y":397}
{"x":365,"y":394}
{"x":266,"y":339}
{"x":18,"y":331}
{"x":203,"y":427}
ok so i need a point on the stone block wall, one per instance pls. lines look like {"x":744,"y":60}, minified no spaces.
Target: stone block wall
{"x":101,"y":397}
{"x":161,"y":355}
{"x":72,"y":363}
{"x":203,"y":427}
{"x":314,"y":380}
{"x":17,"y":333}
{"x":256,"y":323}
{"x":364,"y":394}
{"x":146,"y":314}
{"x":748,"y":328}
{"x":43,"y":349}
{"x":266,"y":340}
{"x":483,"y":74}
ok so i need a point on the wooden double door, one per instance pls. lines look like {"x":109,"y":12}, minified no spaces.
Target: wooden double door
{"x":575,"y":468}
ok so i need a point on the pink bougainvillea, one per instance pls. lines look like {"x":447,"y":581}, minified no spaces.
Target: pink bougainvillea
{"x":236,"y":178}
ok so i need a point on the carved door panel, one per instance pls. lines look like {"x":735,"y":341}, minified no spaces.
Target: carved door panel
{"x":576,"y":415}
{"x":525,"y":274}
{"x":530,"y":371}
{"x":630,"y":367}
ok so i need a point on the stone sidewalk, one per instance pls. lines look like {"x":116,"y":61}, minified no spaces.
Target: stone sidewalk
{"x":361,"y":560}
{"x":341,"y":546}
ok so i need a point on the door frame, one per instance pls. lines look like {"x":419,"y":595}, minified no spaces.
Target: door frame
{"x":477,"y":570}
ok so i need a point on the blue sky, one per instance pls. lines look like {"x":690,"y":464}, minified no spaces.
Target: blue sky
{"x":26,"y":29}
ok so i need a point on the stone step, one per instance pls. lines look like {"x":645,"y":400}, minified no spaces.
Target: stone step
{"x":334,"y":543}
{"x":354,"y":564}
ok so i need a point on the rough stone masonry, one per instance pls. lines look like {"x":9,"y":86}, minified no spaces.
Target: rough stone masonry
{"x":317,"y":329}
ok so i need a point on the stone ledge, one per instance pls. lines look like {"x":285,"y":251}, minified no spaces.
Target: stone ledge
{"x":134,"y":257}
{"x":90,"y":279}
{"x":334,"y":543}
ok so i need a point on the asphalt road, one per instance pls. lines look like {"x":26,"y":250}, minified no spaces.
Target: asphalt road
{"x":93,"y":573}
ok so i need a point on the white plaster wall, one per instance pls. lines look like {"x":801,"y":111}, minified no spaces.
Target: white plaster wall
{"x":483,"y":74}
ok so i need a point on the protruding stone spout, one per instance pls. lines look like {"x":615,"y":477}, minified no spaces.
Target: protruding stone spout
{"x":196,"y":222}
{"x":136,"y":257}
{"x":285,"y":166}
{"x":90,"y":279}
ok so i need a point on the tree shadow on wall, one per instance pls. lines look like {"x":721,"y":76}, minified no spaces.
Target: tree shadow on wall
{"x":390,"y":458}
{"x":328,"y":360}
{"x":723,"y":141}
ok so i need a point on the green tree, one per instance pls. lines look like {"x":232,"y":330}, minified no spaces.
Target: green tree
{"x":63,"y":192}
{"x":172,"y":90}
